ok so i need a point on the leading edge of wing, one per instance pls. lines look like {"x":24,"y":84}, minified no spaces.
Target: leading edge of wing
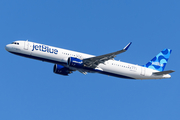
{"x":94,"y":61}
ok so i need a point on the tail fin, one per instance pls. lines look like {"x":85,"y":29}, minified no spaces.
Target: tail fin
{"x":159,"y":62}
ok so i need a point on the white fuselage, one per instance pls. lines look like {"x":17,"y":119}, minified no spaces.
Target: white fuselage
{"x":60,"y":56}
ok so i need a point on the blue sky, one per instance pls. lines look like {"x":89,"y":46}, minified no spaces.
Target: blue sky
{"x":30,"y":90}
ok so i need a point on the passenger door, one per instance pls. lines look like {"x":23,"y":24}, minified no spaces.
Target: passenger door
{"x":26,"y":45}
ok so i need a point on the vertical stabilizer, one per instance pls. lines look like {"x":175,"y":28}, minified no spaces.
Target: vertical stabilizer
{"x":159,"y":62}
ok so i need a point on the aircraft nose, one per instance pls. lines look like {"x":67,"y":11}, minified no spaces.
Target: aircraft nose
{"x":7,"y":47}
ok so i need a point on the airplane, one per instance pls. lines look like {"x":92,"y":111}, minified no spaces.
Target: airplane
{"x":67,"y":61}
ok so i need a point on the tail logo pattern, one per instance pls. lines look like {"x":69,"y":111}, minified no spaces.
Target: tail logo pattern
{"x":159,"y":62}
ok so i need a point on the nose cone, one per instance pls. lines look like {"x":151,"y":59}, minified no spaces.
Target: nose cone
{"x":7,"y":47}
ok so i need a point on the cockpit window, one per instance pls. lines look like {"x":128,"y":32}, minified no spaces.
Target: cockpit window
{"x":15,"y":43}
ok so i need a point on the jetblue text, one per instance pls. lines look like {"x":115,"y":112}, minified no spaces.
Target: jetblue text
{"x":45,"y":48}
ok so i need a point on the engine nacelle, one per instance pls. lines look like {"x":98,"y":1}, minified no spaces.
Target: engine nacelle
{"x":59,"y":69}
{"x":75,"y":62}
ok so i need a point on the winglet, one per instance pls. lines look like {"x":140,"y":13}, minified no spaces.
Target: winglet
{"x":127,"y":46}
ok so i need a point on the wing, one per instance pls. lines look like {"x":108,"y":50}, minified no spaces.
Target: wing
{"x":94,"y":61}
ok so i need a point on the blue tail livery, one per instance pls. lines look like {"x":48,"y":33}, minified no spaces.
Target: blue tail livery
{"x":159,"y":62}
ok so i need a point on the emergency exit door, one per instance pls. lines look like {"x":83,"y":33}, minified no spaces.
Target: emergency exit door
{"x":26,"y":45}
{"x":143,"y":71}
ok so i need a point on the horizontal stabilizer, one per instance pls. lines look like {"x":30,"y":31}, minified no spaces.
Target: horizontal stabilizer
{"x":163,"y":72}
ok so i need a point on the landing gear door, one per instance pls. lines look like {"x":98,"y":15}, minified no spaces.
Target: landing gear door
{"x":26,"y":45}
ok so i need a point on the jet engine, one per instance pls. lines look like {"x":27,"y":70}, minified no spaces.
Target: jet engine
{"x":75,"y":62}
{"x":59,"y":69}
